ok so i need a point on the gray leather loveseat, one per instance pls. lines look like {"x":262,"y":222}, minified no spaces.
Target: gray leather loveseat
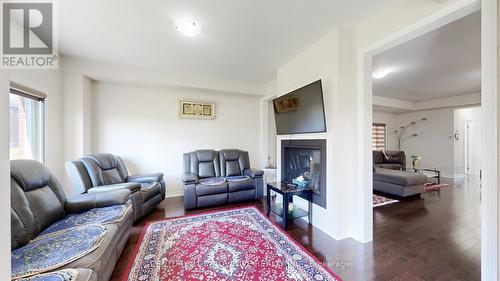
{"x":219,"y":177}
{"x":103,"y":172}
{"x":390,"y":159}
{"x":38,"y":203}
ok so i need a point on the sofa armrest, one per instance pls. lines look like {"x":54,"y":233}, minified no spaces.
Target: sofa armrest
{"x":189,"y":178}
{"x":88,"y":201}
{"x":131,"y":186}
{"x":253,"y":173}
{"x":145,"y":178}
{"x":190,"y":198}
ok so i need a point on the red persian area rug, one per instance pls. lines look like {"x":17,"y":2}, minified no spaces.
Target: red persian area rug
{"x":434,"y":186}
{"x":233,"y":244}
{"x":379,"y":200}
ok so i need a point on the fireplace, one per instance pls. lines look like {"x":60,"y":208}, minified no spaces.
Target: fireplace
{"x":303,"y":163}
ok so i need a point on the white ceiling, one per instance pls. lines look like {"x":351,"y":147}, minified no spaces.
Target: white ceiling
{"x":442,"y":63}
{"x":241,"y":39}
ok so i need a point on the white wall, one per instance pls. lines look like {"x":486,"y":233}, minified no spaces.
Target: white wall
{"x":141,"y":123}
{"x":76,"y":75}
{"x":473,"y":115}
{"x":330,"y":59}
{"x":4,"y":178}
{"x":434,"y":142}
{"x":389,"y":119}
{"x":268,"y":125}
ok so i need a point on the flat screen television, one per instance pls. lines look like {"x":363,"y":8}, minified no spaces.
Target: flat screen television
{"x":301,"y":111}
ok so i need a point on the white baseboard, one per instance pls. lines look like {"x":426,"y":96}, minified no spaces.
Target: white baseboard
{"x":175,"y":194}
{"x":452,"y":179}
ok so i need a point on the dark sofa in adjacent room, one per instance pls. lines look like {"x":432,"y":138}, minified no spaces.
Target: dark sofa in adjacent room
{"x":390,"y":175}
{"x":389,"y":159}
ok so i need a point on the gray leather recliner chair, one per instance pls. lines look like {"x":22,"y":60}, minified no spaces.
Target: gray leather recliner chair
{"x":38,"y":200}
{"x":102,"y":172}
{"x":207,"y":164}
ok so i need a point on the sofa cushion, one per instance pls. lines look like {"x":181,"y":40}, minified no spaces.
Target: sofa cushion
{"x":394,"y":156}
{"x":378,"y":157}
{"x":105,"y":160}
{"x":29,"y":178}
{"x":50,"y":252}
{"x":392,"y":166}
{"x":37,"y":200}
{"x":240,"y":183}
{"x":213,"y":181}
{"x":399,"y":177}
{"x":203,"y":189}
{"x":105,"y":168}
{"x":109,"y":249}
{"x":204,"y":163}
{"x":45,"y":206}
{"x":111,"y":176}
{"x":111,"y":214}
{"x":393,"y":159}
{"x":233,"y":168}
{"x":206,"y":169}
{"x":233,"y":162}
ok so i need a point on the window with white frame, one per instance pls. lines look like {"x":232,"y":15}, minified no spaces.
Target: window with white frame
{"x":27,"y":128}
{"x":379,"y":136}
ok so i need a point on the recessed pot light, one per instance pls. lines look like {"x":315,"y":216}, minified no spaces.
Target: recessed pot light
{"x":188,"y":27}
{"x":381,"y":73}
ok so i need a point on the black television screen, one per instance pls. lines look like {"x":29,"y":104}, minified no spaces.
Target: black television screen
{"x":301,"y":111}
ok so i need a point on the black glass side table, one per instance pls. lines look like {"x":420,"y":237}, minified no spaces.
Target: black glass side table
{"x":287,"y":193}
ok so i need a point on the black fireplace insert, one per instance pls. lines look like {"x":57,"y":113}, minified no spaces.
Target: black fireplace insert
{"x":303,"y":164}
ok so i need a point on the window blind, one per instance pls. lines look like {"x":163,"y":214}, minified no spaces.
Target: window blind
{"x":379,"y":135}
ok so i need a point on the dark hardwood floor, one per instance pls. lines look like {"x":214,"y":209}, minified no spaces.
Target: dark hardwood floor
{"x":434,"y":238}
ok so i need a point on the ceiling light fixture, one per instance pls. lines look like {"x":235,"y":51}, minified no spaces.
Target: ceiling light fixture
{"x":379,"y":74}
{"x":188,"y":27}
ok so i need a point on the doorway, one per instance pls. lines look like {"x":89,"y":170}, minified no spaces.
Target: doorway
{"x":489,"y":204}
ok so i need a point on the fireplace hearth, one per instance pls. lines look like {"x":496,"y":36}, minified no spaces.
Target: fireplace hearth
{"x":303,"y":163}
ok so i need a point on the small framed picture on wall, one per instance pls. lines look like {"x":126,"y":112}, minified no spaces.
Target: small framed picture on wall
{"x":197,"y":109}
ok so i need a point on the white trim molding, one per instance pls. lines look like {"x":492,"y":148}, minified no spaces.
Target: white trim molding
{"x":466,"y":100}
{"x":489,"y":87}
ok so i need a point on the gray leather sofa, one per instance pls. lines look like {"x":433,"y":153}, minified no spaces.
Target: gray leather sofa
{"x":103,"y":172}
{"x":38,"y":201}
{"x":206,"y":164}
{"x":398,"y":183}
{"x":390,"y":159}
